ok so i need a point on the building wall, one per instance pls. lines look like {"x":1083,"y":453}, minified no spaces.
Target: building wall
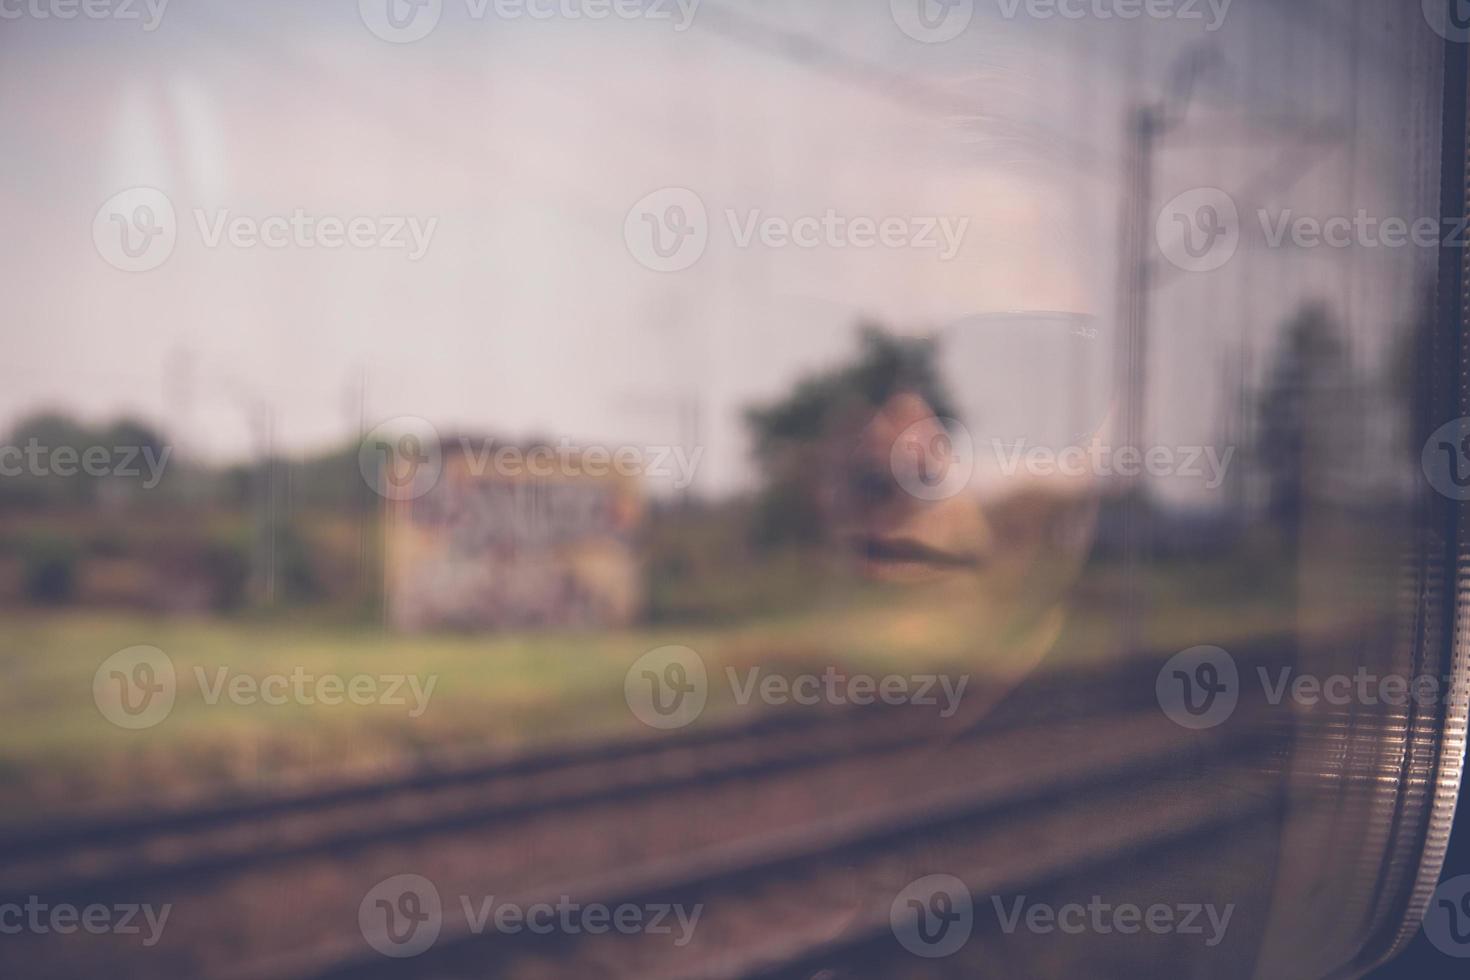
{"x":485,"y":550}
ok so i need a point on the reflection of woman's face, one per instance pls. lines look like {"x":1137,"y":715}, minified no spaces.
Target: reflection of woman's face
{"x":884,"y":511}
{"x":987,"y":583}
{"x":1017,"y":554}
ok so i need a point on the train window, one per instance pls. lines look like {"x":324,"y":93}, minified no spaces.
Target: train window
{"x":718,"y":488}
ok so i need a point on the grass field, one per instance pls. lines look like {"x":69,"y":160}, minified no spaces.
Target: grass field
{"x":507,"y":690}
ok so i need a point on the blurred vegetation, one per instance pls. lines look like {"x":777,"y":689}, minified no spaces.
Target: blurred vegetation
{"x":790,"y":434}
{"x":302,"y":534}
{"x":706,"y":562}
{"x":49,"y":568}
{"x":52,"y":430}
{"x":151,"y":528}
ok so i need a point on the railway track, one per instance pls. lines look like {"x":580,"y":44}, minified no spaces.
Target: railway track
{"x":1090,"y":795}
{"x":185,"y":848}
{"x":725,"y":817}
{"x":126,"y":850}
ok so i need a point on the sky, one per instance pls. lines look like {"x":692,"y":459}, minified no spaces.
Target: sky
{"x":525,"y":144}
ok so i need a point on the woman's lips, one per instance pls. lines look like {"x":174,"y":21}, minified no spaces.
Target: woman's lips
{"x":898,"y":549}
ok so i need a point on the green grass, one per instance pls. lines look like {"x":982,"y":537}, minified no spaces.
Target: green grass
{"x":515,"y":690}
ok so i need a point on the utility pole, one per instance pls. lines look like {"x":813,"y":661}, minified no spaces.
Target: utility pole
{"x":1145,"y":126}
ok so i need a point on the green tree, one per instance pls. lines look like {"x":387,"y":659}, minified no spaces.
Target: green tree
{"x":791,"y":434}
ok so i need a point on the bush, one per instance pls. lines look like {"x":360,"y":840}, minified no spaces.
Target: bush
{"x":296,"y":572}
{"x":225,"y":563}
{"x":49,"y":569}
